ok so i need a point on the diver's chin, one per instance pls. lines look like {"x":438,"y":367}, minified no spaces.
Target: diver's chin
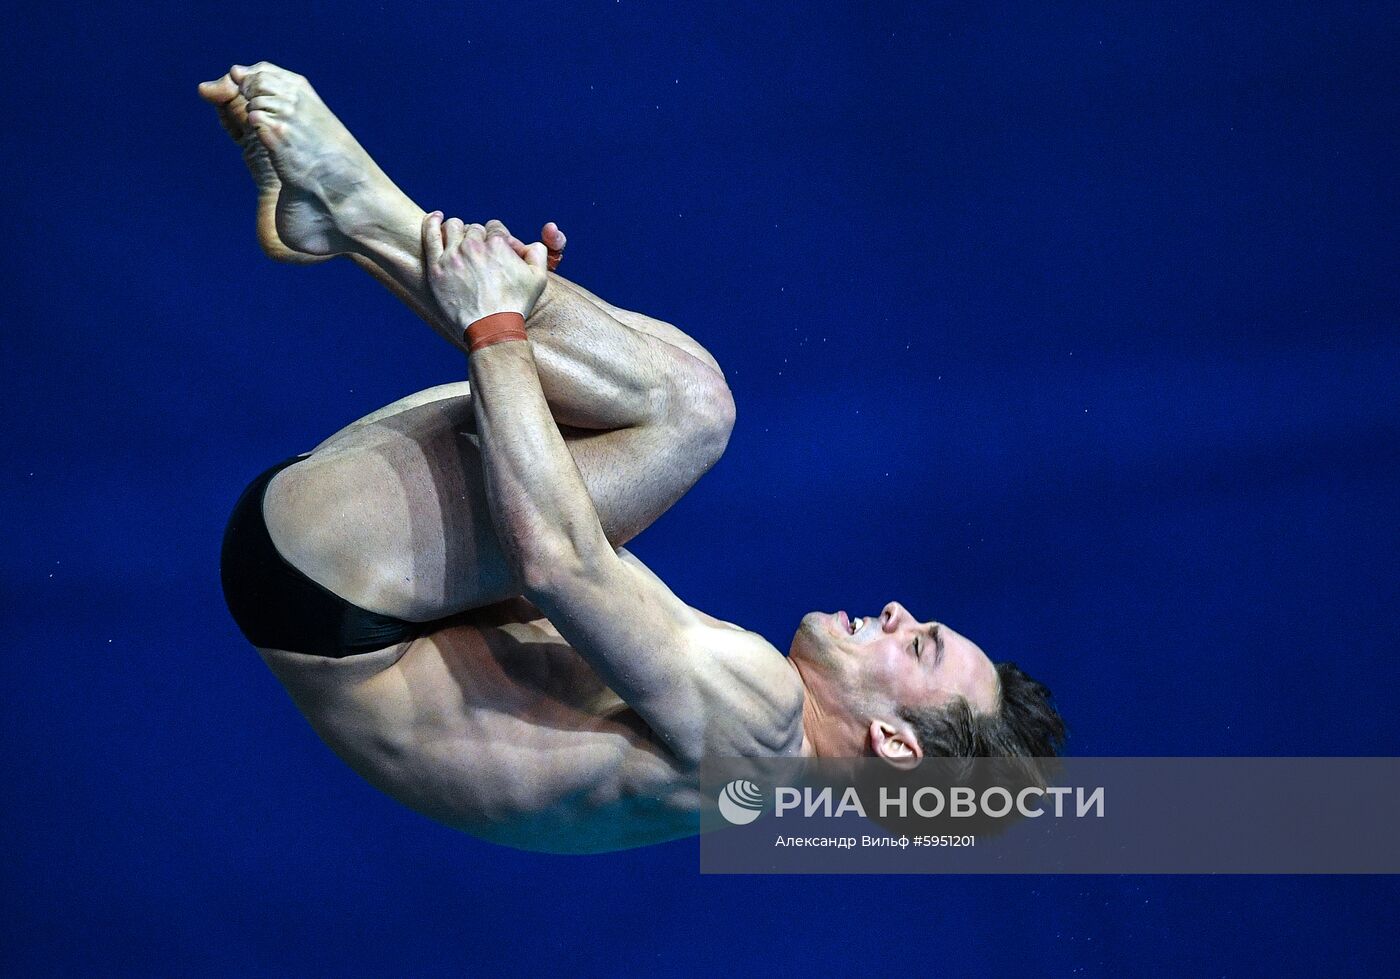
{"x":812,"y":641}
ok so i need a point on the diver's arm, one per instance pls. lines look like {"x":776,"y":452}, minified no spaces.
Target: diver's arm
{"x":628,"y":625}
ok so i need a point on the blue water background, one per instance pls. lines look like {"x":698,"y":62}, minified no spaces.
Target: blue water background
{"x":1073,"y":326}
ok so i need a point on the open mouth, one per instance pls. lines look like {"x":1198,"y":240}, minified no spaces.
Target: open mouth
{"x":851,"y":625}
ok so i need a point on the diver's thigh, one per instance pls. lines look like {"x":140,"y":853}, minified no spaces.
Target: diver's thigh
{"x":652,"y":327}
{"x":391,"y":515}
{"x":457,"y":391}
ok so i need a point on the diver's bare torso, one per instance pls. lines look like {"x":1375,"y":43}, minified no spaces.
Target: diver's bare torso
{"x":492,"y":722}
{"x":494,"y":725}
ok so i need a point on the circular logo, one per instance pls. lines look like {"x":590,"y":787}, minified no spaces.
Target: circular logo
{"x":741,"y":802}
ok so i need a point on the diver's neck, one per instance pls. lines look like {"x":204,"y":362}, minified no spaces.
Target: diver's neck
{"x":822,"y":734}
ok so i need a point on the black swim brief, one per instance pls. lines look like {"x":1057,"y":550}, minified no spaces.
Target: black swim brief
{"x":278,"y":607}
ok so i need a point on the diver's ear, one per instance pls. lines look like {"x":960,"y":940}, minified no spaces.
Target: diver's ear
{"x":897,"y":745}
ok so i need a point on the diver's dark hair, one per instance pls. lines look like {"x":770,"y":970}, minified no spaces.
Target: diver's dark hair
{"x":1024,"y":725}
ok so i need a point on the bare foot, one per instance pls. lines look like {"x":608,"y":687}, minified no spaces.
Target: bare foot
{"x":223,"y":94}
{"x":331,"y":188}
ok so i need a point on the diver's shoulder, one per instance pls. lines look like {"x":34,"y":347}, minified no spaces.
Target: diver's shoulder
{"x":757,"y":691}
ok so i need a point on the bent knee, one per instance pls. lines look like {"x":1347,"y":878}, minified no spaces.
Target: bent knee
{"x":705,"y":413}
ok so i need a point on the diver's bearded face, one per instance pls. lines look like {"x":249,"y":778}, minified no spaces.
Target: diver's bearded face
{"x":879,"y":662}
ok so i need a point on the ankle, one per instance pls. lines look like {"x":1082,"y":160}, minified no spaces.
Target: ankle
{"x":374,"y":226}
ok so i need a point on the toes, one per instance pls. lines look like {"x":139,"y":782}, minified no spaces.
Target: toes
{"x":254,"y":83}
{"x":235,"y":122}
{"x":265,"y":78}
{"x":224,"y":95}
{"x":269,"y":105}
{"x":236,"y":113}
{"x":261,"y":79}
{"x":218,"y":91}
{"x":269,"y":129}
{"x":269,"y":68}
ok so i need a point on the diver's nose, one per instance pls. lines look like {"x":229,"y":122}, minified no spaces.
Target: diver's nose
{"x":890,"y":616}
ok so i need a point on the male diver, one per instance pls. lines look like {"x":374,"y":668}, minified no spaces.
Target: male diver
{"x":441,"y":585}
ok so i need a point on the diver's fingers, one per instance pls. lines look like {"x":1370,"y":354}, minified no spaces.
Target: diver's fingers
{"x":554,"y":241}
{"x":537,"y":256}
{"x":453,"y":232}
{"x":432,"y":238}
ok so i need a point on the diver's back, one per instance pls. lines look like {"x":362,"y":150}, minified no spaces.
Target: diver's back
{"x":494,"y":725}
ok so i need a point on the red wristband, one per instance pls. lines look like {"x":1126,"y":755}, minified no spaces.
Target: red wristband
{"x":496,"y":328}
